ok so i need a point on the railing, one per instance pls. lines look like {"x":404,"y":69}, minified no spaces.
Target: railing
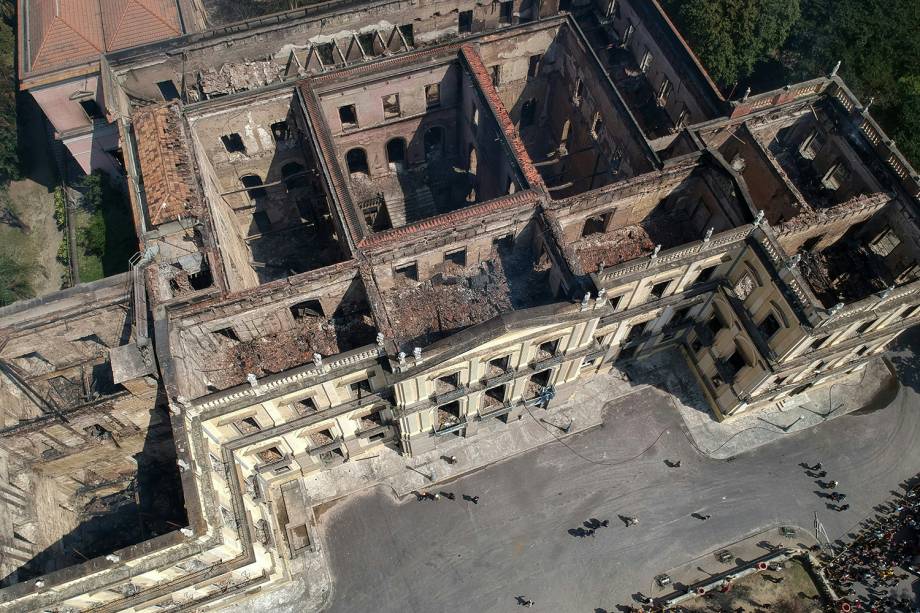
{"x":719,"y":241}
{"x":277,"y":383}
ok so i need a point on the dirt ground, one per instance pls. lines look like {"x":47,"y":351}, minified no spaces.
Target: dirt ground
{"x":32,"y":200}
{"x":794,"y":593}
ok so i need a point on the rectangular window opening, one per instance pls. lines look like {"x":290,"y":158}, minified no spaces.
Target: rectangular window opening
{"x":233,"y":143}
{"x":348,"y":115}
{"x":433,"y":95}
{"x":390,"y":106}
{"x":168,"y":90}
{"x":407,"y":271}
{"x":465,"y":22}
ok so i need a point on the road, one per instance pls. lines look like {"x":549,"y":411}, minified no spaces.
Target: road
{"x":406,"y":555}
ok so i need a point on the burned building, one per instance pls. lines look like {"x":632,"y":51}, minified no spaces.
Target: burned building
{"x":390,"y":228}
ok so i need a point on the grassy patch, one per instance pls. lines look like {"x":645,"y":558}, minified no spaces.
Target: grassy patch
{"x":104,"y":229}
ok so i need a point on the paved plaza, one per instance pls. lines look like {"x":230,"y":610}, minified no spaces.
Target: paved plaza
{"x":389,"y":552}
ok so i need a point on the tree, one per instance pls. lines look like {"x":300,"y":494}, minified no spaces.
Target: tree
{"x":731,"y":36}
{"x":15,"y":281}
{"x":9,"y":152}
{"x":907,"y":120}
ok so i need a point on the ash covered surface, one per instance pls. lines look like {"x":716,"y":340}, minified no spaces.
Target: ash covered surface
{"x":459,"y":297}
{"x":631,"y":242}
{"x":275,"y":353}
{"x":844,"y":272}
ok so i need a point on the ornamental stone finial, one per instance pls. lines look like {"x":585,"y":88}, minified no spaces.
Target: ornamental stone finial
{"x":318,"y":360}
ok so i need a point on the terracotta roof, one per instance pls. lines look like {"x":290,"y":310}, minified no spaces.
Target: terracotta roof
{"x":481,"y":75}
{"x":166,"y":169}
{"x":129,"y":23}
{"x":62,"y":33}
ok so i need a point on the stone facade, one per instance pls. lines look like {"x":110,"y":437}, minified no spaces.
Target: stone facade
{"x":417,"y":223}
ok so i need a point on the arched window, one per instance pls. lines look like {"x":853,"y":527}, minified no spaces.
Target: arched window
{"x":294,"y":175}
{"x":357,"y":162}
{"x":252,"y":184}
{"x":434,"y":142}
{"x":473,"y":162}
{"x":396,"y":153}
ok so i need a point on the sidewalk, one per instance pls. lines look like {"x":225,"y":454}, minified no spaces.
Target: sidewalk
{"x":743,"y":552}
{"x":862,"y":389}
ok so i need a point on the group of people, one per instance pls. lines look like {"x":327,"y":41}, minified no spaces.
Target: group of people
{"x":881,"y":556}
{"x":817,"y":472}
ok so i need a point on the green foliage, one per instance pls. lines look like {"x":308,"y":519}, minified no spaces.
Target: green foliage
{"x":105,"y":235}
{"x":9,"y":154}
{"x":15,"y":278}
{"x":907,"y":118}
{"x":60,"y":208}
{"x":731,"y":36}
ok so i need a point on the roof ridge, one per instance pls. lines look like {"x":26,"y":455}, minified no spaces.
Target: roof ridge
{"x":155,"y":15}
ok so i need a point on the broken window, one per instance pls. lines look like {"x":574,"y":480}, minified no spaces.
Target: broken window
{"x":408,"y":34}
{"x":227,"y":333}
{"x":498,"y":366}
{"x":356,"y":159}
{"x":910,"y":312}
{"x":247,"y":425}
{"x":168,"y":90}
{"x":360,"y":389}
{"x":494,"y":396}
{"x":628,"y":33}
{"x":434,"y":142}
{"x":548,"y":349}
{"x":92,"y":109}
{"x":253,"y":184}
{"x":862,"y":351}
{"x":396,"y":153}
{"x":305,"y":406}
{"x":233,"y":143}
{"x":664,"y":92}
{"x":597,"y":126}
{"x":635,"y":332}
{"x":506,"y":12}
{"x":735,"y":362}
{"x":659,"y":289}
{"x":615,"y":301}
{"x":810,"y":146}
{"x":646,"y":62}
{"x":474,"y":118}
{"x":447,"y":383}
{"x":280,"y":131}
{"x":465,"y":22}
{"x":885,"y":243}
{"x":836,"y":176}
{"x":407,"y":271}
{"x":391,"y":106}
{"x":679,"y":315}
{"x":596,"y":224}
{"x":326,"y":53}
{"x":307,"y":308}
{"x":495,"y":74}
{"x":579,"y":88}
{"x":367,"y":40}
{"x":541,"y":379}
{"x":294,"y":175}
{"x":715,"y":323}
{"x":372,"y":420}
{"x":864,"y":327}
{"x":97,"y":432}
{"x":769,"y":326}
{"x":528,"y":112}
{"x":433,"y":95}
{"x":817,"y":343}
{"x":272,"y":454}
{"x":448,"y":415}
{"x":457,"y":257}
{"x":705,"y":275}
{"x":348,"y":115}
{"x":533,"y":67}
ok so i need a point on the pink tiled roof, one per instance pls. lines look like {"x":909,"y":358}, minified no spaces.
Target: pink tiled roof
{"x":63,"y":33}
